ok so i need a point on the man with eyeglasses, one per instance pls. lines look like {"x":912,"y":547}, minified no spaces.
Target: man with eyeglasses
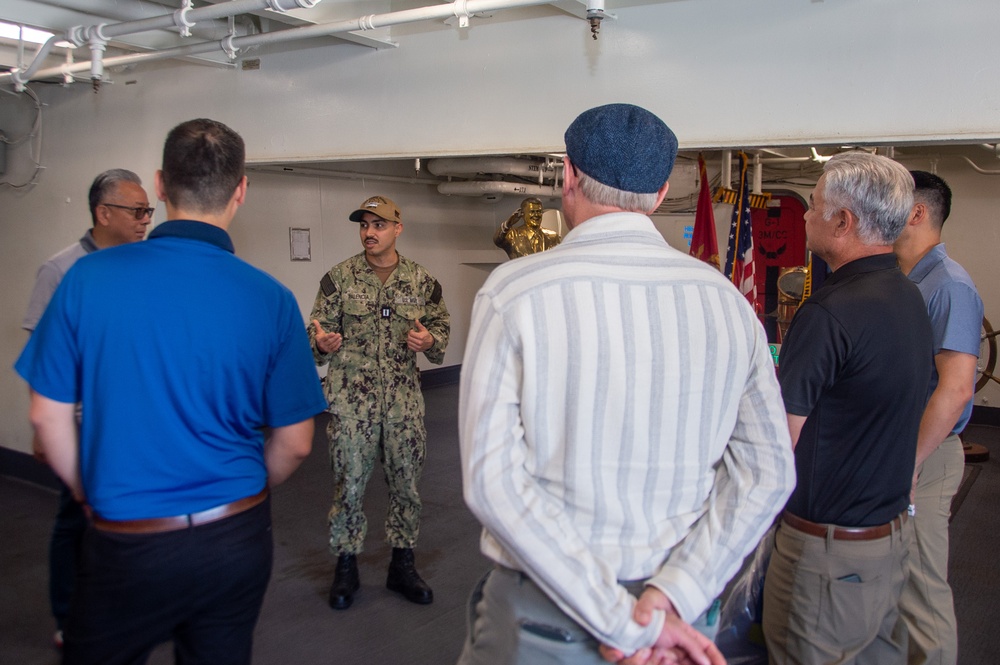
{"x":119,"y":209}
{"x":373,"y":314}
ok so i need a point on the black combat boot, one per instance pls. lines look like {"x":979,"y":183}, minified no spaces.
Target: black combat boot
{"x":403,"y":578}
{"x":345,"y":582}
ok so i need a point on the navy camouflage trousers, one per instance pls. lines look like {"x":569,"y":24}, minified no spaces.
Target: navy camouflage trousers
{"x":400,"y":447}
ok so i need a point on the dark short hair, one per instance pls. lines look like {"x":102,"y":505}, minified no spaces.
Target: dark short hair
{"x":203,"y":162}
{"x":104,"y":184}
{"x":933,"y":192}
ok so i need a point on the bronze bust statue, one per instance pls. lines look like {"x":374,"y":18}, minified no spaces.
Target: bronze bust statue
{"x":521,"y":239}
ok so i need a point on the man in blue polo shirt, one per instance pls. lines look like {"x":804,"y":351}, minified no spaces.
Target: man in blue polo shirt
{"x":171,"y":457}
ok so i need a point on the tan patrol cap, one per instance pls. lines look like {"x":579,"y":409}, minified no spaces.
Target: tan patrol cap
{"x":378,"y":205}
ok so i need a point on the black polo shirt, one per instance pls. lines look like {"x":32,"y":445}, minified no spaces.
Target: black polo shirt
{"x":857,"y":362}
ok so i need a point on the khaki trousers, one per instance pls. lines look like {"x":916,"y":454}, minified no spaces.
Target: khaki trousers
{"x":927,"y":605}
{"x":835,"y":601}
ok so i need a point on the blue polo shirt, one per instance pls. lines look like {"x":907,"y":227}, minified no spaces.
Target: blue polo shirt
{"x":955,"y":309}
{"x":181,"y":354}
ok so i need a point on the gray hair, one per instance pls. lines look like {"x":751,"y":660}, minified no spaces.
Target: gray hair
{"x":878,"y":190}
{"x":105,"y":183}
{"x":601,"y":194}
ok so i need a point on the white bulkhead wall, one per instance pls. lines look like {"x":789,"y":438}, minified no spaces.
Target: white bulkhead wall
{"x":720,"y":72}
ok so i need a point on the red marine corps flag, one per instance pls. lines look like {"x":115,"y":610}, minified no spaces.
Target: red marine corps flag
{"x":739,"y":255}
{"x":704,"y":246}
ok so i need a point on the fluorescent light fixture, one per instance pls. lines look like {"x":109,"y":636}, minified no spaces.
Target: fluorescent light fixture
{"x":16,"y":32}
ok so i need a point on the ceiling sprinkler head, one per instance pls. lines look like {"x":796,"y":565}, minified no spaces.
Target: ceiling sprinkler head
{"x":595,"y":16}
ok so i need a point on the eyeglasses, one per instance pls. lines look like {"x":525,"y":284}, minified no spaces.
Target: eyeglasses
{"x":138,"y":211}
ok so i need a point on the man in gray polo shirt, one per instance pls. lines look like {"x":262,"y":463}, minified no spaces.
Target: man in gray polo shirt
{"x":956,"y":313}
{"x":120,"y":211}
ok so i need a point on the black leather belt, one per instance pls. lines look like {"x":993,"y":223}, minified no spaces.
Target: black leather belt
{"x":178,"y":522}
{"x":844,"y":532}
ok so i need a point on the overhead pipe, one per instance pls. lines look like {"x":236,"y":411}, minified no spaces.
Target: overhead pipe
{"x":230,"y":46}
{"x":187,"y":16}
{"x":816,"y":157}
{"x":136,"y":11}
{"x":182,"y":19}
{"x":758,"y":175}
{"x":97,"y":47}
{"x":499,"y":165}
{"x":458,"y":8}
{"x":119,"y":60}
{"x":978,"y":169}
{"x":20,"y":78}
{"x":492,"y":187}
{"x":345,"y":175}
{"x":992,"y":147}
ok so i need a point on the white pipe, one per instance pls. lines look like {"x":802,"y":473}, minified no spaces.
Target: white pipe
{"x":182,"y":18}
{"x":346,"y":175}
{"x":97,"y":47}
{"x":20,"y":78}
{"x":758,"y":175}
{"x":320,"y":30}
{"x":136,"y":11}
{"x":374,"y":21}
{"x":486,"y":187}
{"x":503,"y":165}
{"x":177,"y":52}
{"x":816,"y":157}
{"x":978,"y":169}
{"x":20,"y":46}
{"x":994,"y":148}
{"x":785,"y":160}
{"x":68,"y":78}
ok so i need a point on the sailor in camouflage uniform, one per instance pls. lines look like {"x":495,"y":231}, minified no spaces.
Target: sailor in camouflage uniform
{"x":374,"y":312}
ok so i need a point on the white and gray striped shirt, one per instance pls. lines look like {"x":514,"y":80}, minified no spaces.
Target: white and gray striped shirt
{"x":620,"y":419}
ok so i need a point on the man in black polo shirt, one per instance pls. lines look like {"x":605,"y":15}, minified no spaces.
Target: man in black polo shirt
{"x":855,"y":367}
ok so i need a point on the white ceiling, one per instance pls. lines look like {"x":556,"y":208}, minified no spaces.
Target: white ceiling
{"x":59,"y":16}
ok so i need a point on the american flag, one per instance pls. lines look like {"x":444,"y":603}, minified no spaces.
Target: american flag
{"x":739,"y":255}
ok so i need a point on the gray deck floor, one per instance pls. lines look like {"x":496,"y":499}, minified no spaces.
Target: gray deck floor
{"x":297,"y":626}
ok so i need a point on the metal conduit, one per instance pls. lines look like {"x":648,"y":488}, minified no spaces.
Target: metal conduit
{"x":529,"y":168}
{"x":979,"y":169}
{"x":98,"y":35}
{"x":187,"y":16}
{"x":137,"y":11}
{"x":459,"y":8}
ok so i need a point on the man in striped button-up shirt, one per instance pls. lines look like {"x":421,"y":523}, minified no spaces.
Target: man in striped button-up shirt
{"x":621,"y":426}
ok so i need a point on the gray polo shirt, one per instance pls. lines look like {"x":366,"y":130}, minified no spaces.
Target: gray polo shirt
{"x":49,"y":276}
{"x":955,"y":308}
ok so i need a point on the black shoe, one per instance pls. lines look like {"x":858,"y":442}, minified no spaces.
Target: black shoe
{"x":403,"y":578}
{"x":345,"y":582}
